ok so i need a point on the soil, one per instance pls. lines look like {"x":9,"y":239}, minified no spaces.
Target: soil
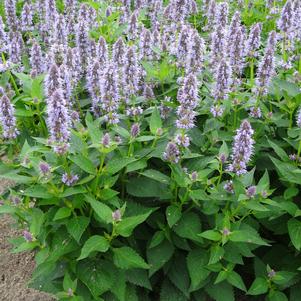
{"x":15,"y":269}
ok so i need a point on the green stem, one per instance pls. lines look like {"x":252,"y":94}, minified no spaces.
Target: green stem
{"x":299,"y":149}
{"x":11,"y":77}
{"x":252,"y":72}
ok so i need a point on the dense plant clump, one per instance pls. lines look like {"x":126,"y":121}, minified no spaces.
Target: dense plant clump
{"x":155,"y":147}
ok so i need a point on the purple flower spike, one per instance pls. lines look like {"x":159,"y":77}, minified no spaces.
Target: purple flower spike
{"x":223,"y":78}
{"x":10,"y":13}
{"x":116,"y":215}
{"x":44,"y":168}
{"x":182,"y":140}
{"x":229,"y":187}
{"x":7,"y":118}
{"x":172,"y":153}
{"x":106,"y":140}
{"x":58,"y":121}
{"x":135,"y":130}
{"x":27,"y":236}
{"x":131,"y":74}
{"x":266,"y":68}
{"x":27,"y":18}
{"x":36,"y":58}
{"x":251,"y":191}
{"x":52,"y":80}
{"x":242,"y":149}
{"x":253,"y":42}
{"x":69,"y":179}
{"x":109,"y":92}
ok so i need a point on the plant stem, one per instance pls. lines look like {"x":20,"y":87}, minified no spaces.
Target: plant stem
{"x":11,"y":77}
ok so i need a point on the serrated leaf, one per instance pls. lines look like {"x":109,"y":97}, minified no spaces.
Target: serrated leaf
{"x":62,"y":213}
{"x":247,"y":236}
{"x":84,"y":163}
{"x":278,"y":150}
{"x":221,"y":292}
{"x":138,"y":277}
{"x":99,"y":276}
{"x":156,"y":239}
{"x":294,"y":231}
{"x":126,"y":226}
{"x":155,"y":121}
{"x":95,"y":243}
{"x":127,"y":258}
{"x":156,"y":175}
{"x":117,"y":164}
{"x":258,"y":287}
{"x":189,"y":226}
{"x":103,"y":211}
{"x":216,"y":254}
{"x":159,"y":255}
{"x":77,"y":226}
{"x":196,"y":261}
{"x":236,"y":280}
{"x":211,"y":235}
{"x":173,"y":214}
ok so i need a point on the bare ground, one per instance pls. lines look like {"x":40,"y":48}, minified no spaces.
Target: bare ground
{"x":15,"y":269}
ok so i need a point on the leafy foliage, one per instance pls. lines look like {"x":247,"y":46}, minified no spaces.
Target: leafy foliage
{"x":162,"y":183}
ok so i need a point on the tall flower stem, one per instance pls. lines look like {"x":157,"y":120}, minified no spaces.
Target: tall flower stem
{"x":11,"y":77}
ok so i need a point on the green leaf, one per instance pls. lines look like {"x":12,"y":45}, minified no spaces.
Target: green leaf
{"x":122,"y":132}
{"x":155,"y":121}
{"x":290,"y":192}
{"x":99,"y":276}
{"x":178,"y":275}
{"x":236,"y":280}
{"x":145,"y":187}
{"x":62,"y":213}
{"x":277,"y":296}
{"x":38,"y":191}
{"x":95,"y":243}
{"x":156,"y":175}
{"x":6,"y":209}
{"x":73,"y":190}
{"x":287,"y":171}
{"x":77,"y":226}
{"x":117,"y":164}
{"x":189,"y":226}
{"x":247,"y":236}
{"x":294,"y":230}
{"x":173,"y":214}
{"x":159,"y":255}
{"x":126,"y":226}
{"x":103,"y":211}
{"x":68,"y":283}
{"x":84,"y":163}
{"x":221,"y":291}
{"x":127,"y":258}
{"x":138,"y":277}
{"x":197,"y":260}
{"x":258,"y":287}
{"x":156,"y":240}
{"x":279,"y":151}
{"x":211,"y":235}
{"x":224,"y":149}
{"x":37,"y":220}
{"x":216,"y":254}
{"x":170,"y":293}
